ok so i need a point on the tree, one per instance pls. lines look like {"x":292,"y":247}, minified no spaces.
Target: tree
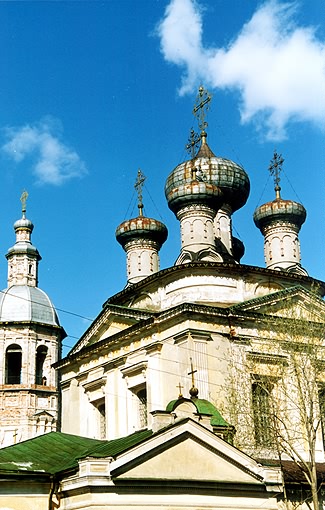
{"x":276,"y":388}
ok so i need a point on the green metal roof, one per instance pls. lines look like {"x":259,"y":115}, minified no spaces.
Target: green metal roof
{"x":55,"y":452}
{"x":203,"y":407}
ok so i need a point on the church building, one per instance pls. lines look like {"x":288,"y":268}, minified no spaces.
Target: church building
{"x":197,"y":386}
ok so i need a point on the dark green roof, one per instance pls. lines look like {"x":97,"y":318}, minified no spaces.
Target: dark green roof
{"x":56,"y":452}
{"x":203,"y":407}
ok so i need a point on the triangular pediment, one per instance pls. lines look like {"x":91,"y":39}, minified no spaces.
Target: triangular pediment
{"x":111,"y":321}
{"x":295,"y":302}
{"x":189,"y":451}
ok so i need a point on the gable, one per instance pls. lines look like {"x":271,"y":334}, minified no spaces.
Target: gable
{"x":180,"y":461}
{"x":189,"y":451}
{"x":294,"y":302}
{"x":111,"y":321}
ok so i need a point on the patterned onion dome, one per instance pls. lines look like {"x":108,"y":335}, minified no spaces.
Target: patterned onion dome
{"x":279,"y":210}
{"x":207,"y":179}
{"x":141,"y":228}
{"x":22,"y":303}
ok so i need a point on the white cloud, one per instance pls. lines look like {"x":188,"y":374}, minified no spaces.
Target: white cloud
{"x":53,"y":162}
{"x":276,"y":65}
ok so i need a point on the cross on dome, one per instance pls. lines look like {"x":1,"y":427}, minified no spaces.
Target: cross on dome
{"x":275,"y":169}
{"x":193,"y":143}
{"x":193,"y":391}
{"x":201,"y":108}
{"x":138,"y":186}
{"x":23,"y":200}
{"x":180,"y":394}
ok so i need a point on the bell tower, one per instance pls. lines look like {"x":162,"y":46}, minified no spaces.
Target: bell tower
{"x":30,"y":342}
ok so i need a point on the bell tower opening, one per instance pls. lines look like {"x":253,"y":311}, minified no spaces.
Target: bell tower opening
{"x":13,"y":364}
{"x":41,"y":354}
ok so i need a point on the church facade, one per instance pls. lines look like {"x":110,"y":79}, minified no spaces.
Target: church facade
{"x":197,"y":386}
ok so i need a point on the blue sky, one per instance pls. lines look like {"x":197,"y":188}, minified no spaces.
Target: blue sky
{"x":91,"y":91}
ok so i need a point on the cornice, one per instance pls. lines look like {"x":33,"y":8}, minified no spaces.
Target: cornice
{"x":220,"y":269}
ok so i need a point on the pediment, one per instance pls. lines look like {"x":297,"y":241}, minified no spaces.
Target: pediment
{"x":180,"y":462}
{"x":295,"y":302}
{"x":189,"y":451}
{"x":111,"y":321}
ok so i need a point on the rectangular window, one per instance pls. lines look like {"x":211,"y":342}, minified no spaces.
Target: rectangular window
{"x":142,"y":401}
{"x":102,"y":421}
{"x":261,"y":393}
{"x":321,"y":400}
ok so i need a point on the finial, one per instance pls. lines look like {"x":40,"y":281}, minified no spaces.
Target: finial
{"x":23,"y":200}
{"x":193,"y":391}
{"x":138,"y":186}
{"x":193,"y":143}
{"x":275,"y":168}
{"x":180,"y":394}
{"x":200,"y":110}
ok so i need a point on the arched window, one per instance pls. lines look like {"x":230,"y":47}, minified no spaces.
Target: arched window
{"x":13,"y":364}
{"x":41,"y":354}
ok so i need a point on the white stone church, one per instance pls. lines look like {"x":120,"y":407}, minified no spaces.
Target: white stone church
{"x":198,"y":386}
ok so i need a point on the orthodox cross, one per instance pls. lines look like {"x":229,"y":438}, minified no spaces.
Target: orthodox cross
{"x":138,"y":186}
{"x":193,"y":143}
{"x":23,"y":200}
{"x":201,"y":107}
{"x":179,"y":386}
{"x":192,"y":372}
{"x":275,"y":168}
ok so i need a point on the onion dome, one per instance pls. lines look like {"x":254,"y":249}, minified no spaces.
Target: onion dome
{"x":207,"y":179}
{"x":141,"y":228}
{"x":22,"y":303}
{"x":279,"y":210}
{"x":280,"y":222}
{"x":141,"y":238}
{"x":191,"y":182}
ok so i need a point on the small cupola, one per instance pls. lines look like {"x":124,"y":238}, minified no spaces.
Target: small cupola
{"x":280,"y":221}
{"x":23,"y":257}
{"x":141,"y":239}
{"x":202,"y":411}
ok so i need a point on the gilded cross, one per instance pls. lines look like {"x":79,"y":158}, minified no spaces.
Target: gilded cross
{"x":138,"y":186}
{"x":201,"y":107}
{"x":192,"y":372}
{"x":23,"y":200}
{"x":275,"y":168}
{"x":193,"y":143}
{"x":179,"y":386}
